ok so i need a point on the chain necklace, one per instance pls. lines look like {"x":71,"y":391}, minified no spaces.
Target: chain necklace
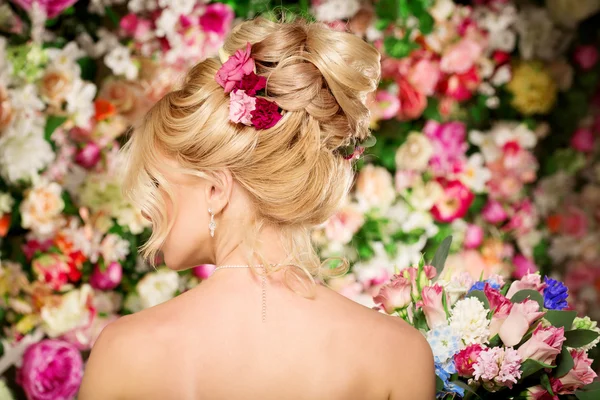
{"x":264,"y":285}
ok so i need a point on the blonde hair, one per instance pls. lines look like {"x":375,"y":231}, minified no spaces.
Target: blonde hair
{"x":293,"y":173}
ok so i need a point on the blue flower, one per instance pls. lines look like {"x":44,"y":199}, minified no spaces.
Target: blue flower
{"x":444,"y":372}
{"x":480,"y":285}
{"x":555,"y":294}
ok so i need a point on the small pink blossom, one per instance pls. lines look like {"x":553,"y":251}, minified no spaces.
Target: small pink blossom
{"x":530,"y":281}
{"x":493,"y":212}
{"x":203,"y":271}
{"x":498,"y":367}
{"x":460,"y":87}
{"x":107,"y":279}
{"x":580,"y":375}
{"x":583,"y":140}
{"x":217,"y":18}
{"x":454,"y":202}
{"x":52,"y":7}
{"x":383,"y":105}
{"x":52,"y":269}
{"x":412,"y":101}
{"x":466,"y":359}
{"x":240,"y":107}
{"x":342,"y":226}
{"x":394,"y":295}
{"x":88,"y":156}
{"x":524,"y":218}
{"x":544,"y":345}
{"x":473,"y":236}
{"x":586,"y":56}
{"x":424,"y":76}
{"x":450,"y":146}
{"x":520,"y":318}
{"x":433,"y":307}
{"x":232,"y":71}
{"x":461,"y":56}
{"x":523,"y":266}
{"x":405,"y":179}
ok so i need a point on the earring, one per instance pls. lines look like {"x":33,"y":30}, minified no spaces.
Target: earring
{"x":212,"y":225}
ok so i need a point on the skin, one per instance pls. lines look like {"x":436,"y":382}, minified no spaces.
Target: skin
{"x":211,"y":343}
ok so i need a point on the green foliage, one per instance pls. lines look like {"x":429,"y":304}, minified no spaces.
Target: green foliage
{"x":522,"y":295}
{"x":580,"y":337}
{"x":559,"y":318}
{"x":564,"y":363}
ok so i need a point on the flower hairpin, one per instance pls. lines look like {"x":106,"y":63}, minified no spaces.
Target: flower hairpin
{"x":238,"y":77}
{"x":354,"y":151}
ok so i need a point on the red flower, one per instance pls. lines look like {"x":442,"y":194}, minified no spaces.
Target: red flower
{"x":266,"y":114}
{"x":251,"y":83}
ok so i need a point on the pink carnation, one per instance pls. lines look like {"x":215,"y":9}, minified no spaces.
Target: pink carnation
{"x":450,"y":146}
{"x":466,"y":359}
{"x":473,"y":236}
{"x":266,"y":114}
{"x":493,"y":212}
{"x":460,"y":57}
{"x":251,"y":83}
{"x":498,"y":367}
{"x":383,"y":105}
{"x":235,"y":68}
{"x":51,"y":369}
{"x":240,"y":107}
{"x":544,"y":345}
{"x":580,"y":375}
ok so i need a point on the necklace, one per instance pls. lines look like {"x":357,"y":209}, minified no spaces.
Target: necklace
{"x":264,"y":286}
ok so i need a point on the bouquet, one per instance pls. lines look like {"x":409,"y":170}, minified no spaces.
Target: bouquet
{"x":496,"y":340}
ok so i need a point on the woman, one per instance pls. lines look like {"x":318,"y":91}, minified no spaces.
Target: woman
{"x":234,"y":169}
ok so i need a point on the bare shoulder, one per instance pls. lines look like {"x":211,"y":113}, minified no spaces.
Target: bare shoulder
{"x":118,"y":357}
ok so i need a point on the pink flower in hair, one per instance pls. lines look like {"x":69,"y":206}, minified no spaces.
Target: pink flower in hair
{"x":240,"y":107}
{"x":234,"y":69}
{"x":251,"y":83}
{"x":266,"y":114}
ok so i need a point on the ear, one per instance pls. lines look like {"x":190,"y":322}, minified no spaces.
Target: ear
{"x":218,"y":190}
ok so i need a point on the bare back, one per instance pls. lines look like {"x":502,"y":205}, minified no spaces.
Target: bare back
{"x":210,"y":343}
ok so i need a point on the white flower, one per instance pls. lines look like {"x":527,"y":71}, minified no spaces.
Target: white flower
{"x":72,"y":312}
{"x":476,"y":175}
{"x":486,"y":143}
{"x":442,"y":9}
{"x":166,"y":23}
{"x":504,"y":132}
{"x":180,"y":7}
{"x":539,"y":38}
{"x":138,"y":6}
{"x":425,"y":195}
{"x":114,"y":248}
{"x":457,"y":286}
{"x":415,"y":153}
{"x":375,"y":271}
{"x":23,"y":156}
{"x":561,"y":247}
{"x":6,"y":203}
{"x":469,"y":321}
{"x":132,"y":219}
{"x":119,"y":61}
{"x":551,"y":190}
{"x":107,"y":302}
{"x":375,"y":188}
{"x":26,"y":98}
{"x":334,"y":10}
{"x":66,"y":58}
{"x":157,"y":287}
{"x":80,"y":102}
{"x":42,"y":207}
{"x":502,"y":75}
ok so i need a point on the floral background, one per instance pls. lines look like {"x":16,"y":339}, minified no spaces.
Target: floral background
{"x":487,"y":122}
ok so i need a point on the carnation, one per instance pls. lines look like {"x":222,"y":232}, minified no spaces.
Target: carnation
{"x":266,"y":114}
{"x":498,"y":367}
{"x":469,"y":321}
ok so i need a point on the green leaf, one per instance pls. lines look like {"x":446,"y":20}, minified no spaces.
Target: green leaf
{"x":439,"y":259}
{"x":560,"y":318}
{"x":466,"y":387}
{"x":439,"y":384}
{"x":580,"y":337}
{"x":545,"y":382}
{"x":564,"y":363}
{"x":112,"y":16}
{"x":426,"y":23}
{"x":478,"y":294}
{"x":399,"y":48}
{"x":522,"y":295}
{"x":369,"y":142}
{"x":589,"y":392}
{"x":386,"y":9}
{"x":52,"y":123}
{"x":530,"y":367}
{"x":495,"y":341}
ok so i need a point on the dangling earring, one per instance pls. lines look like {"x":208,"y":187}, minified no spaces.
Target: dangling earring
{"x":212,"y":225}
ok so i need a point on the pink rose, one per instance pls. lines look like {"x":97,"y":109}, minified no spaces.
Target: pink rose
{"x":88,"y":156}
{"x":586,"y":56}
{"x":493,"y":212}
{"x":238,"y":65}
{"x":544,"y":345}
{"x":203,"y":271}
{"x":52,"y":7}
{"x":395,"y":294}
{"x":106,"y":279}
{"x":520,"y":318}
{"x":466,"y":358}
{"x":523,"y":266}
{"x":383,"y":105}
{"x":530,"y":281}
{"x":217,"y":18}
{"x":460,"y":57}
{"x":424,"y":76}
{"x":251,"y":83}
{"x":582,"y":374}
{"x":53,"y":269}
{"x":266,"y":114}
{"x":583,"y":140}
{"x":412,"y":102}
{"x":342,"y":226}
{"x":473,"y":236}
{"x":52,"y":369}
{"x":240,"y":107}
{"x":433,"y":307}
{"x":454,"y":203}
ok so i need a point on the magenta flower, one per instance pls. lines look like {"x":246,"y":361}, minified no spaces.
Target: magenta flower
{"x":235,"y":68}
{"x":52,"y":7}
{"x":266,"y":114}
{"x":586,"y":56}
{"x":493,"y":212}
{"x":52,"y":369}
{"x":88,"y":156}
{"x":107,"y":279}
{"x":466,"y":359}
{"x":203,"y":271}
{"x":217,"y":18}
{"x":241,"y":106}
{"x":454,"y":202}
{"x":473,"y":236}
{"x":583,"y":140}
{"x":450,"y":146}
{"x":251,"y":83}
{"x":523,"y":266}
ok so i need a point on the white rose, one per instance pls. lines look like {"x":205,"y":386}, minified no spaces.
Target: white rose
{"x":570,"y":12}
{"x":157,"y":287}
{"x":72,"y":312}
{"x":375,"y":188}
{"x":415,"y":153}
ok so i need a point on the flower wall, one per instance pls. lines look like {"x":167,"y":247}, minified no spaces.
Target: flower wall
{"x":487,"y":122}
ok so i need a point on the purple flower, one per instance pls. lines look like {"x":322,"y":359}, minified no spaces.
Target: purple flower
{"x":52,"y":369}
{"x":555,"y":294}
{"x":51,"y":7}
